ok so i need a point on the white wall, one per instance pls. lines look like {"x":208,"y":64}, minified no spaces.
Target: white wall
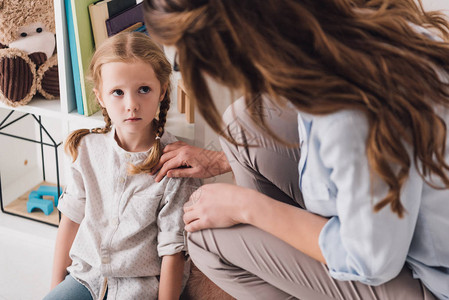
{"x":19,"y":166}
{"x":21,"y":161}
{"x":436,"y":5}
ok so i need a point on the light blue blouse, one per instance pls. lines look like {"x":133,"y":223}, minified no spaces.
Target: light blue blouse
{"x":357,"y":243}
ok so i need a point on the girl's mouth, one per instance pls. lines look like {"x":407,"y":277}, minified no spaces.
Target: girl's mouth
{"x":133,"y":119}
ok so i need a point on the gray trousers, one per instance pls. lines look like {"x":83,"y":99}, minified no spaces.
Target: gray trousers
{"x":249,"y":263}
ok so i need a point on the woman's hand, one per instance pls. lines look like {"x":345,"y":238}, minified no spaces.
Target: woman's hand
{"x":221,"y":205}
{"x":216,"y":205}
{"x":182,"y":160}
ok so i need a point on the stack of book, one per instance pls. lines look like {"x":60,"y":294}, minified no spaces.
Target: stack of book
{"x":109,"y":17}
{"x":89,"y":23}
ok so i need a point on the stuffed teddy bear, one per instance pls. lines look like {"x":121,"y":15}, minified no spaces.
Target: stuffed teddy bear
{"x":28,"y":60}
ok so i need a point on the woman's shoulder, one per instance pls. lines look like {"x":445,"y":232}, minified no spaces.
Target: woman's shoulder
{"x":343,"y":121}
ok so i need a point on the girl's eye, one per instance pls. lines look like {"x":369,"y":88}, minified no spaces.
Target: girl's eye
{"x":144,"y":89}
{"x":117,"y":93}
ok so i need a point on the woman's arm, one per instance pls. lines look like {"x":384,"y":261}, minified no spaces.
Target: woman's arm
{"x":64,"y":239}
{"x":182,"y":160}
{"x":172,"y":271}
{"x":223,"y":205}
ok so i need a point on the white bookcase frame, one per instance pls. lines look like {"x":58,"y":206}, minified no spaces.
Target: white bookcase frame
{"x":63,"y":111}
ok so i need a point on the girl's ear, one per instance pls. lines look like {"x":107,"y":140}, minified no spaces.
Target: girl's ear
{"x":98,"y":96}
{"x":163,"y":91}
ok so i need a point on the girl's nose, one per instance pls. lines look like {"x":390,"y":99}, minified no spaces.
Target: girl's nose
{"x":132,"y":104}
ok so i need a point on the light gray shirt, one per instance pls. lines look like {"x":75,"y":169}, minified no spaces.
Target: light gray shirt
{"x":127,"y":222}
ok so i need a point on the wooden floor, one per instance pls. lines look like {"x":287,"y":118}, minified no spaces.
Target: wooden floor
{"x":19,"y":207}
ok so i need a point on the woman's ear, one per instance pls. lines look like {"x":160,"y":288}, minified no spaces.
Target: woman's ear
{"x":98,"y":96}
{"x":163,"y":92}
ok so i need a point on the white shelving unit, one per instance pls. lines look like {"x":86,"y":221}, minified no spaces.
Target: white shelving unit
{"x":61,"y":116}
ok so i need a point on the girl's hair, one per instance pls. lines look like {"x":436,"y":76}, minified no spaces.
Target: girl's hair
{"x":322,"y":56}
{"x":127,"y":47}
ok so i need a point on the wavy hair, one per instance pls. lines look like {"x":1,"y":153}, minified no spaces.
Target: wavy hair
{"x":126,"y":47}
{"x":323,"y":56}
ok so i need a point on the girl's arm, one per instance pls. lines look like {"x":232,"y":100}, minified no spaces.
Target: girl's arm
{"x":223,"y":205}
{"x":64,"y":239}
{"x":172,"y":271}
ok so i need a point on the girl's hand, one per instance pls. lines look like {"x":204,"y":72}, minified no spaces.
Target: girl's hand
{"x":215,"y":205}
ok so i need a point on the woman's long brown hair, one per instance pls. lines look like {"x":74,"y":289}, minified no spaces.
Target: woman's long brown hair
{"x":129,"y":47}
{"x":323,"y":56}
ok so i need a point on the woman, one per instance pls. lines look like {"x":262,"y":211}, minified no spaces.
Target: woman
{"x":369,"y":80}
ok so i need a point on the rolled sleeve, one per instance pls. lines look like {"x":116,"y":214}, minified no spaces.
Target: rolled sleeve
{"x":170,"y":223}
{"x":331,"y":245}
{"x":73,"y":200}
{"x":72,"y":208}
{"x":170,"y":243}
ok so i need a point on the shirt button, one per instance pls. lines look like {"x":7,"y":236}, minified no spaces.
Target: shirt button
{"x":127,"y":155}
{"x":105,"y":260}
{"x":122,"y":179}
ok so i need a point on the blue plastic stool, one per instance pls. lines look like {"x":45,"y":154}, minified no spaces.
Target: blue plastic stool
{"x":43,"y":204}
{"x":52,"y":191}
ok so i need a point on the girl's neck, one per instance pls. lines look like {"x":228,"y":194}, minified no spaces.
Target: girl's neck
{"x":135,"y":141}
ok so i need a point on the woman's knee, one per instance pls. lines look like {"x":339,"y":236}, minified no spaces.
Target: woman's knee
{"x":193,"y":242}
{"x":208,"y":245}
{"x":201,"y":253}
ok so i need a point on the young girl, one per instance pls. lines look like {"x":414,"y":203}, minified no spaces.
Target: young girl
{"x":369,"y":79}
{"x":121,"y":233}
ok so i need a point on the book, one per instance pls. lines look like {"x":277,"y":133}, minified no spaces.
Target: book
{"x":142,"y":29}
{"x":102,"y":10}
{"x":134,"y":27}
{"x":85,"y":48}
{"x":74,"y":57}
{"x":125,"y":19}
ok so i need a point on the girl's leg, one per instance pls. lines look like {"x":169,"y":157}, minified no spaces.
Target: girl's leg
{"x":249,"y":263}
{"x":271,"y":168}
{"x":69,"y":289}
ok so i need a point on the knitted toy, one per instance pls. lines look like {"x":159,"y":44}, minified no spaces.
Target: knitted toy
{"x":28,"y":60}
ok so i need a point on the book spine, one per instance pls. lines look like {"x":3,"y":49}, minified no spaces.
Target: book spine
{"x":98,"y":16}
{"x":125,"y":19}
{"x":74,"y":58}
{"x":85,"y":49}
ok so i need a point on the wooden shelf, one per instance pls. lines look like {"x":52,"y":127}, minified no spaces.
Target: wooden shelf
{"x":19,"y":207}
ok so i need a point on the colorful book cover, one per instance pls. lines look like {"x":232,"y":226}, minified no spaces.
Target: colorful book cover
{"x":100,"y":11}
{"x":74,"y":57}
{"x":85,"y":49}
{"x":125,"y":19}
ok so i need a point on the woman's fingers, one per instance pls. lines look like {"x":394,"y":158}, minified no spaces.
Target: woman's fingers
{"x":192,"y":220}
{"x":194,"y":226}
{"x":173,"y":163}
{"x":210,"y":206}
{"x":164,"y":158}
{"x":190,"y":215}
{"x":173,"y":146}
{"x":170,"y":151}
{"x":185,"y":172}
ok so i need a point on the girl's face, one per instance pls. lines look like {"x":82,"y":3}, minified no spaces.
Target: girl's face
{"x":130,"y":92}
